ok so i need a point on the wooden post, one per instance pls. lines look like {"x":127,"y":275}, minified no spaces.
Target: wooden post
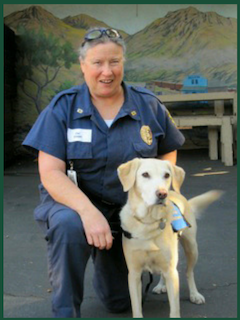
{"x":219,"y":108}
{"x":235,"y":126}
{"x":213,"y":142}
{"x":227,"y":141}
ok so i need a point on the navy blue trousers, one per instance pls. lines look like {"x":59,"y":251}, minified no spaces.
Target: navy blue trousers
{"x":68,"y":254}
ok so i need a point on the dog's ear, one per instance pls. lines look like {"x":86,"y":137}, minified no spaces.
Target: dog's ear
{"x":178,"y":175}
{"x":127,"y":173}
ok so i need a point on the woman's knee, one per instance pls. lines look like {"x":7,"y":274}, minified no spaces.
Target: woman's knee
{"x":65,"y":225}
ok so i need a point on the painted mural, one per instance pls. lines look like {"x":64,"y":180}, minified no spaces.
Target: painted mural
{"x":183,"y":42}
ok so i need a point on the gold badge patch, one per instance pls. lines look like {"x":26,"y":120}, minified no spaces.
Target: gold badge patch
{"x":146,"y":135}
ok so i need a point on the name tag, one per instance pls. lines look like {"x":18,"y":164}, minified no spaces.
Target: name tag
{"x":82,"y":135}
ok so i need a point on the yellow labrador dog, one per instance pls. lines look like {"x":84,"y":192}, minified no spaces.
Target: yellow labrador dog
{"x":149,"y":242}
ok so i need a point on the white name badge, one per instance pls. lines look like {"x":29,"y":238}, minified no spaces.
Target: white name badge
{"x":82,"y":135}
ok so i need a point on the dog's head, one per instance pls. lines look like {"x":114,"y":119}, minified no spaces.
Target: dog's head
{"x":152,"y":179}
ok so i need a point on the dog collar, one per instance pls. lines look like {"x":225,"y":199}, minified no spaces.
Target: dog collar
{"x":162,"y":222}
{"x":179,"y":223}
{"x":128,"y":235}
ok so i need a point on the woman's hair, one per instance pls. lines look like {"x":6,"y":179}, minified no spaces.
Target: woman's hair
{"x":103,"y":39}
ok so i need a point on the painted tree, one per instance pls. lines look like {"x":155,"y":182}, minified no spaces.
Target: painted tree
{"x":40,"y":57}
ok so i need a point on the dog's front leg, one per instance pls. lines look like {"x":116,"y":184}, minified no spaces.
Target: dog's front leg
{"x":172,"y":282}
{"x":135,"y":289}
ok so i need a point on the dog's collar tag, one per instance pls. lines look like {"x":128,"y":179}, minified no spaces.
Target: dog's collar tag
{"x":162,"y":224}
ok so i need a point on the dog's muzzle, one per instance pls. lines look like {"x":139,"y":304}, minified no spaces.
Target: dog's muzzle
{"x":161,"y":196}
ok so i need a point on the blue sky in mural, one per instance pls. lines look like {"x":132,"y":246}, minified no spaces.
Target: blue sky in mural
{"x":130,"y":18}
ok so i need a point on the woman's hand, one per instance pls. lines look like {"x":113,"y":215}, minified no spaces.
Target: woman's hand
{"x":97,"y":230}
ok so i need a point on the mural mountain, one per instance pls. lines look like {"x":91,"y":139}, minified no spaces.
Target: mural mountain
{"x":70,"y":29}
{"x":83,"y":21}
{"x":184,"y":42}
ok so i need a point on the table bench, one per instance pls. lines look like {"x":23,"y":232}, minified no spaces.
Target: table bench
{"x":217,"y":123}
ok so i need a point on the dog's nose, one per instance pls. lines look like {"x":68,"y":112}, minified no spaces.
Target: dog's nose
{"x":161,"y":194}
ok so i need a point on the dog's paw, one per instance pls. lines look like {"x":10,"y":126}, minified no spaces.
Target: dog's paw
{"x":197,"y":298}
{"x":159,"y":289}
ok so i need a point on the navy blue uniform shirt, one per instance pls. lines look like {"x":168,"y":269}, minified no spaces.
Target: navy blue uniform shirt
{"x":70,"y":128}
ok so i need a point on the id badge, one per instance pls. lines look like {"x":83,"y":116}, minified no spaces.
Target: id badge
{"x":72,"y":175}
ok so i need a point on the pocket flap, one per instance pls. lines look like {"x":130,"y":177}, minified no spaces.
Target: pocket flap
{"x":79,"y":150}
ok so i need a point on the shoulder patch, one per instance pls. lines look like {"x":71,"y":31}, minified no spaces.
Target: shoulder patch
{"x":170,"y":117}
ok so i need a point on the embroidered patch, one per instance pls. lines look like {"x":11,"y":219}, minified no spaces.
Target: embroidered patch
{"x":171,"y":118}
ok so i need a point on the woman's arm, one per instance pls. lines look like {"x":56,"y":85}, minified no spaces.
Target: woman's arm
{"x":171,"y":156}
{"x":63,"y":190}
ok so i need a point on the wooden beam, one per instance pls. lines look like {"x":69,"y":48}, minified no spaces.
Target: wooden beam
{"x":198,"y":97}
{"x":197,"y":121}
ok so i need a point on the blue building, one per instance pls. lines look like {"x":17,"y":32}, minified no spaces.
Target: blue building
{"x":195,"y":84}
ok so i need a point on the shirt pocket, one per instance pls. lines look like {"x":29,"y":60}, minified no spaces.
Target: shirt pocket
{"x":79,"y":150}
{"x":146,"y":151}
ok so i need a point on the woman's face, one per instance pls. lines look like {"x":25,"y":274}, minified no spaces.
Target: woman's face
{"x":103,"y":69}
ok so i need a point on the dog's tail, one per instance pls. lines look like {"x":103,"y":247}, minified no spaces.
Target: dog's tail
{"x":200,"y":203}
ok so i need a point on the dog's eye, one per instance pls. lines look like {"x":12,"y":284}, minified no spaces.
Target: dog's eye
{"x":146,"y":175}
{"x":167,"y":175}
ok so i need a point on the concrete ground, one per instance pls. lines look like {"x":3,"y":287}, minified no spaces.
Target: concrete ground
{"x":27,"y":293}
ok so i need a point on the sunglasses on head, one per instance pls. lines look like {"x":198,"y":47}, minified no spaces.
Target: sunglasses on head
{"x":98,"y":33}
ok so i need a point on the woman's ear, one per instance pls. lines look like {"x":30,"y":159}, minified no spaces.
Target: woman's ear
{"x":82,"y":64}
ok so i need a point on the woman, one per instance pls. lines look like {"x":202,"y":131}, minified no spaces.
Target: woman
{"x":87,"y":132}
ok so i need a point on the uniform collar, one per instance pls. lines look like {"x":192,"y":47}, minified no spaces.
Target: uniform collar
{"x":83,"y":104}
{"x":128,"y":108}
{"x":85,"y":108}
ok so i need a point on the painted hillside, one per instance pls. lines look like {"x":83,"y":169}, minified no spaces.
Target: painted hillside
{"x":83,"y":21}
{"x":70,"y":29}
{"x":36,"y":17}
{"x":184,"y":42}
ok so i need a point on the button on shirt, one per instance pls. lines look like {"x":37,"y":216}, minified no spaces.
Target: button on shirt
{"x":72,"y":129}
